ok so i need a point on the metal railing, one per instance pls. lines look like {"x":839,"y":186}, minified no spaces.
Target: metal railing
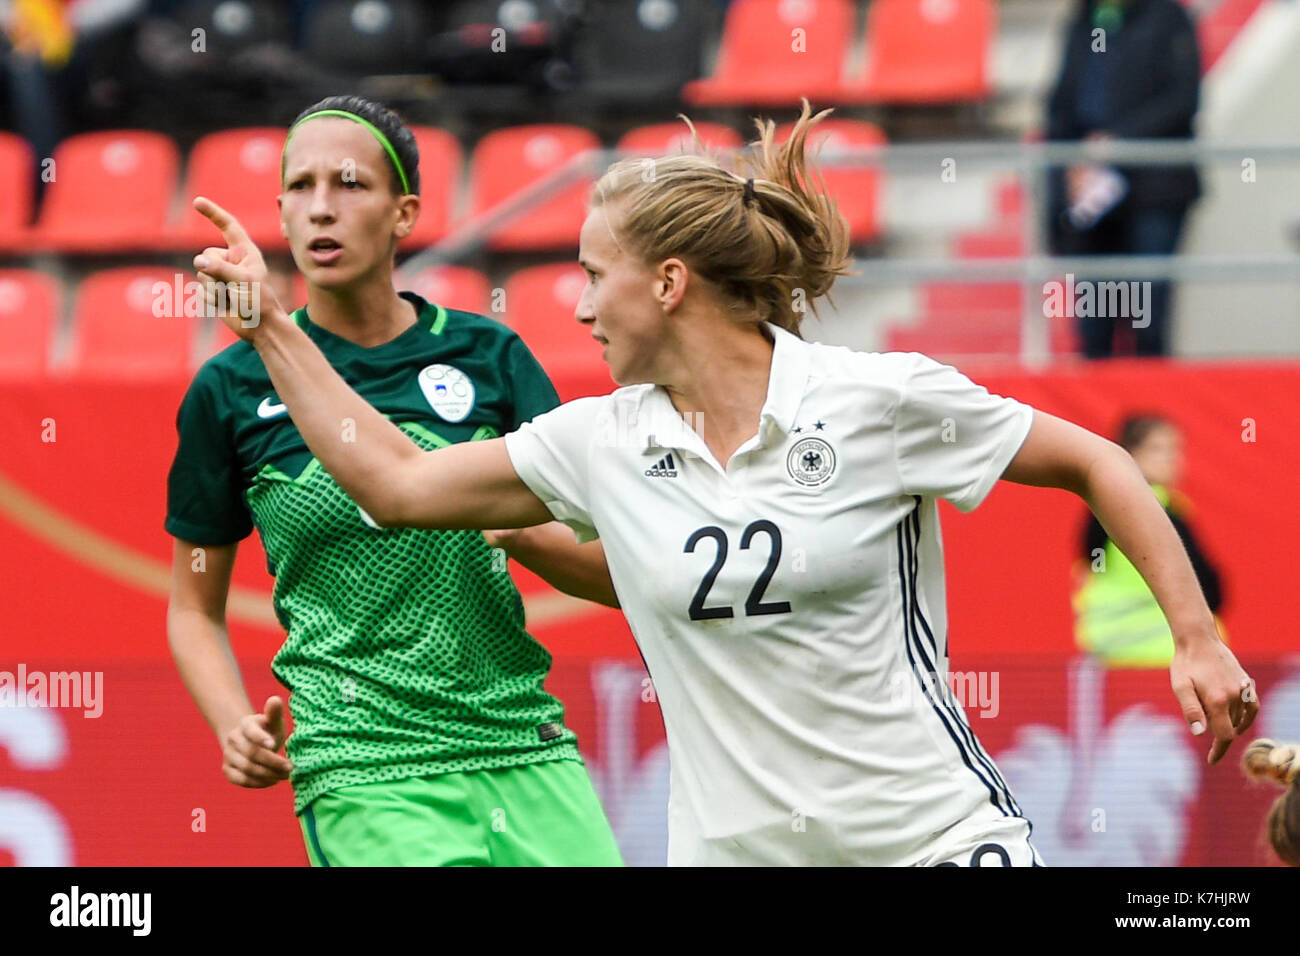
{"x":1032,"y":161}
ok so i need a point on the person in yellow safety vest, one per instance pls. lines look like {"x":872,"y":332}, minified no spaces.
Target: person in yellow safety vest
{"x":1116,"y":615}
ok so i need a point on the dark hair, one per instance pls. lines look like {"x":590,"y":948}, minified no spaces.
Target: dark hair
{"x":1137,"y":428}
{"x":388,"y":123}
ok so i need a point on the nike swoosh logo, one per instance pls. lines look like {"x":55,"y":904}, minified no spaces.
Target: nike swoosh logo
{"x":267,"y":410}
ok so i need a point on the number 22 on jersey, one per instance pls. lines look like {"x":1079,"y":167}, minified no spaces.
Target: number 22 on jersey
{"x":754,"y":604}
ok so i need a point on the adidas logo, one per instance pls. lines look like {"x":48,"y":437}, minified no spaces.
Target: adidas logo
{"x":665,"y":467}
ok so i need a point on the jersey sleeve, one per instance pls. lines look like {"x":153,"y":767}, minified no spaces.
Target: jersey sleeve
{"x":953,"y":439}
{"x":552,"y":453}
{"x":205,"y":501}
{"x":531,"y":389}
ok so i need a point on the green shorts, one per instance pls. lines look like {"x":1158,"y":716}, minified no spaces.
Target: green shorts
{"x":543,"y":814}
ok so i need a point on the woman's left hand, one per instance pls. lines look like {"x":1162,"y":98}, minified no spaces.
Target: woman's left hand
{"x":1214,"y":691}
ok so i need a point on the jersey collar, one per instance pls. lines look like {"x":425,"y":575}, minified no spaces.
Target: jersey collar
{"x":660,"y":425}
{"x":428,"y":316}
{"x":789,"y":380}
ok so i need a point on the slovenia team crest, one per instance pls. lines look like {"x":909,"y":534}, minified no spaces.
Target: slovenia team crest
{"x":811,"y":462}
{"x":448,"y":390}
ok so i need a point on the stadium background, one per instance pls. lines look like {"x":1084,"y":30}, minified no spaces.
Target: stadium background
{"x":87,"y":413}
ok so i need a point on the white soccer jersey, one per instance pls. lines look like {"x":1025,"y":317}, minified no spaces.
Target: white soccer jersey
{"x":790,"y":607}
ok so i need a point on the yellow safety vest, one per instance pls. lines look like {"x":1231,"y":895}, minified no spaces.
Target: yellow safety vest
{"x":42,"y":26}
{"x":1117,"y":617}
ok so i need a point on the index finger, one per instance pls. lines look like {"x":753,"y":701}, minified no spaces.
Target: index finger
{"x":255,"y":734}
{"x":230,"y":228}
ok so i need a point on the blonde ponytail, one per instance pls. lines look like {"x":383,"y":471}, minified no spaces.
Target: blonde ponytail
{"x":1266,"y":760}
{"x":771,"y":247}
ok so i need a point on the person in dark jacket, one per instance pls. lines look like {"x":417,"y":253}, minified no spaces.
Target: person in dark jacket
{"x":1131,"y":70}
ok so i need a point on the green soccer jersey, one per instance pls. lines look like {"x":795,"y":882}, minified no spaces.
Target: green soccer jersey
{"x":406,"y":653}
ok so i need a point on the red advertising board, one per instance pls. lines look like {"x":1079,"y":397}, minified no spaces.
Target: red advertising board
{"x":1100,"y":761}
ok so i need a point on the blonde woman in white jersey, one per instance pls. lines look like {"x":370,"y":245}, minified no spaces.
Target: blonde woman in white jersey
{"x":779,"y":561}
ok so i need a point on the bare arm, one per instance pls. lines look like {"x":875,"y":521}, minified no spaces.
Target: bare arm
{"x":1060,"y":454}
{"x":1205,"y":675}
{"x":200,"y":645}
{"x":196,"y":633}
{"x":552,"y":553}
{"x":469,"y":485}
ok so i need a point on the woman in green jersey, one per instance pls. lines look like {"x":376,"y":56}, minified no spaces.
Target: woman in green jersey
{"x":422,"y":734}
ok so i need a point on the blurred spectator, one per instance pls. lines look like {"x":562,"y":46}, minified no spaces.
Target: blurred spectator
{"x":525,"y":43}
{"x":38,"y":43}
{"x":1117,"y":617}
{"x":55,"y":54}
{"x":223,"y":63}
{"x":1130,"y":70}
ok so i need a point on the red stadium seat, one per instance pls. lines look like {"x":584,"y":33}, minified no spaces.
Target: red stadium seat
{"x":1063,"y":336}
{"x":1009,"y":200}
{"x":540,"y":304}
{"x":981,"y":303}
{"x":116,"y":331}
{"x":1063,"y":330}
{"x":944,"y":338}
{"x":510,"y":160}
{"x":977,"y":303}
{"x":989,"y":311}
{"x":18,"y":173}
{"x":999,"y":301}
{"x":855,"y":188}
{"x":663,"y":139}
{"x":441,"y":160}
{"x":775,"y":51}
{"x":239,"y":170}
{"x":926,"y":51}
{"x":961,"y":319}
{"x":112,"y":192}
{"x":996,"y":244}
{"x":454,"y":287}
{"x":29,"y":313}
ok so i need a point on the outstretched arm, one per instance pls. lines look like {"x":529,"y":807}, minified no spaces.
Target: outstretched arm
{"x":469,"y":485}
{"x":1210,"y":685}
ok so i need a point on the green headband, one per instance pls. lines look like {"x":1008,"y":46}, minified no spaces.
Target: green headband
{"x":383,"y":141}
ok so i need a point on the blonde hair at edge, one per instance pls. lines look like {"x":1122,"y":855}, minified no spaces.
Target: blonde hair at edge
{"x":767,"y":258}
{"x":1267,"y":760}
